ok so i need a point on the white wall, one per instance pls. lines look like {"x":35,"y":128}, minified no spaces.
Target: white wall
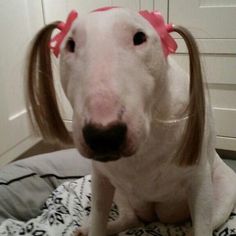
{"x":19,"y":20}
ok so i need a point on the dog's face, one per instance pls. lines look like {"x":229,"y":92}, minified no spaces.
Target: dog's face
{"x":112,"y":65}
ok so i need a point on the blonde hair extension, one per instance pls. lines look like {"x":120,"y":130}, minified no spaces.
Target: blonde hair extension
{"x":41,"y":96}
{"x":191,"y":143}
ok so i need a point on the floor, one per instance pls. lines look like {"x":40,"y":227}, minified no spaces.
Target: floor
{"x":40,"y":148}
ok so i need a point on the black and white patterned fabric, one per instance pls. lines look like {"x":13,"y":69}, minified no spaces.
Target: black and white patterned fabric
{"x":69,"y":206}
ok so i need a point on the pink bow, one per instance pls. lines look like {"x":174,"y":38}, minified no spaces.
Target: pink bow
{"x":156,"y":20}
{"x":64,"y":27}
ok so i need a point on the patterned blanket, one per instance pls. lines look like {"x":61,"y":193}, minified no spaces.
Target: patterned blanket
{"x":68,"y":207}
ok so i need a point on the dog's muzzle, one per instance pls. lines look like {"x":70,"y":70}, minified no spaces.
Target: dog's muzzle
{"x":105,"y":142}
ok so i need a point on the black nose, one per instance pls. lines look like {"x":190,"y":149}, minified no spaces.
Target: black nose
{"x":105,"y":140}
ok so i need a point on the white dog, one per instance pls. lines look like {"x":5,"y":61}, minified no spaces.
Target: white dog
{"x":146,"y":125}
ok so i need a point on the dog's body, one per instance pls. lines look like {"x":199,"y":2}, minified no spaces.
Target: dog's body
{"x":151,"y":187}
{"x":118,"y":84}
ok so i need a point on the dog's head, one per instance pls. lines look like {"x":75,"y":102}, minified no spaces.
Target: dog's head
{"x":111,"y":63}
{"x":112,"y":66}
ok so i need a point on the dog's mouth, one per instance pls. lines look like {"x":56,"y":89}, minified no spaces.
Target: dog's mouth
{"x":125,"y":152}
{"x":106,"y":158}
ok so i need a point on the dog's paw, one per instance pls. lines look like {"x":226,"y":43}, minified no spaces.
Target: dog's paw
{"x":81,"y":231}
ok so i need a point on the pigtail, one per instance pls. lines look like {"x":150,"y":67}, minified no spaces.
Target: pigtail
{"x":41,"y":96}
{"x":191,"y":144}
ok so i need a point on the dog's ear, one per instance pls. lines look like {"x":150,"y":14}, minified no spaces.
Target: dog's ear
{"x":41,"y":96}
{"x":191,"y":145}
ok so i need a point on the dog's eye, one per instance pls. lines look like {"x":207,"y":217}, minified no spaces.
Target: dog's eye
{"x":70,"y":45}
{"x":139,"y":38}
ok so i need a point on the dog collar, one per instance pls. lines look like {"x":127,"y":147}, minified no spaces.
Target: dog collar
{"x":155,"y":18}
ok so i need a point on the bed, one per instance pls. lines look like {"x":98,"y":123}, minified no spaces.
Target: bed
{"x":50,"y":195}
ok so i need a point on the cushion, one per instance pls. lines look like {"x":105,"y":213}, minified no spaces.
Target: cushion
{"x":26,"y":184}
{"x":69,"y":206}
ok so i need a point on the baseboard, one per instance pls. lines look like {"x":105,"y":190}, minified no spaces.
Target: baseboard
{"x":226,"y":143}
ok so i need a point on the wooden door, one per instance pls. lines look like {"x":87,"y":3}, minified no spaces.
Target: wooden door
{"x":213,"y":24}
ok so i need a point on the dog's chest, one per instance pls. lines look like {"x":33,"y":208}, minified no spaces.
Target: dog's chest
{"x":152,"y":182}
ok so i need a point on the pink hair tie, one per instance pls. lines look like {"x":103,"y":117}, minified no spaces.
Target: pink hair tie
{"x":56,"y":41}
{"x":157,"y":21}
{"x":103,"y":9}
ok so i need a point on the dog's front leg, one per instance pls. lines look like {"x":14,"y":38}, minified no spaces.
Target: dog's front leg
{"x":102,"y":196}
{"x":200,"y":201}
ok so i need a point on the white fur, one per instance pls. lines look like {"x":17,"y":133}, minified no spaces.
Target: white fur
{"x":107,"y":75}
